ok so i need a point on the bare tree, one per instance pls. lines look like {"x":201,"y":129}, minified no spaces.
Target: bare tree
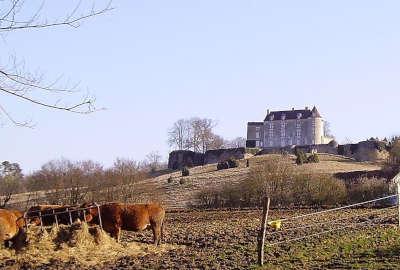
{"x":236,"y":143}
{"x":327,"y":130}
{"x":394,"y":157}
{"x":10,"y":181}
{"x":195,"y":134}
{"x":153,"y":161}
{"x":31,"y":87}
{"x":215,"y":142}
{"x":178,"y":135}
{"x":202,"y":133}
{"x":126,"y":173}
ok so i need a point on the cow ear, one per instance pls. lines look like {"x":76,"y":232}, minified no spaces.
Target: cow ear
{"x":88,"y":217}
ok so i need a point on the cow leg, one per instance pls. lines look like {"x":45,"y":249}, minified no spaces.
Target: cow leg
{"x":116,"y":233}
{"x":156,"y":228}
{"x":162,"y":232}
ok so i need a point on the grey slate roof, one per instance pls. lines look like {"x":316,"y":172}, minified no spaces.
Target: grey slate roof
{"x":293,"y":114}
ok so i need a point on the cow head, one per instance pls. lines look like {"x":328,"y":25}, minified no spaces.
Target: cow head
{"x":32,"y":217}
{"x":91,"y":212}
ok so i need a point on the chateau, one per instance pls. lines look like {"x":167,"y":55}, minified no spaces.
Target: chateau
{"x":287,"y":128}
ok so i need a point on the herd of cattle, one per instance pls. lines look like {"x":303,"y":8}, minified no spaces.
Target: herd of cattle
{"x":112,"y":217}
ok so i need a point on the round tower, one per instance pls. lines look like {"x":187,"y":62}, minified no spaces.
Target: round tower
{"x":317,"y":127}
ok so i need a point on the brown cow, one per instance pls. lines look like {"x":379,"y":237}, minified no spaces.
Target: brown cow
{"x":52,"y":214}
{"x":130,"y":217}
{"x":11,"y":226}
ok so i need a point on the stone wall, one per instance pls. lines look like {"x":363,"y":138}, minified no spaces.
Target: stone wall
{"x":183,"y":158}
{"x":364,"y":151}
{"x":319,"y":148}
{"x":215,"y":156}
{"x":179,"y":159}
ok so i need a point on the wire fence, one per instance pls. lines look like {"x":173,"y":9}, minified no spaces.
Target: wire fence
{"x":310,"y":225}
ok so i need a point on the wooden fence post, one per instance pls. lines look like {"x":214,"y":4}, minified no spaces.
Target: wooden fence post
{"x":398,"y":200}
{"x":261,"y":237}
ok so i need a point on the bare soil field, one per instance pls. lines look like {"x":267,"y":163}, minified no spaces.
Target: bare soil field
{"x":228,"y":240}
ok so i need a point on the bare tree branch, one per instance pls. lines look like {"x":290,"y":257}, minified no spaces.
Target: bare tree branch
{"x":10,"y":22}
{"x":30,"y":87}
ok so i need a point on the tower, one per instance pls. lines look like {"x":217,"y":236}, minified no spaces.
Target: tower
{"x":317,"y":129}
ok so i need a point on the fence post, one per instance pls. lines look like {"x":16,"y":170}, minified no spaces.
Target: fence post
{"x":261,"y":237}
{"x":55,"y":217}
{"x":398,"y":199}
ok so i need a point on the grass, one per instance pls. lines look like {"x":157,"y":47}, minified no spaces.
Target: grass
{"x":367,"y":248}
{"x":176,"y":196}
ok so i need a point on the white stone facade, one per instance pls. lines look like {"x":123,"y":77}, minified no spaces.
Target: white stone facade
{"x":286,"y":128}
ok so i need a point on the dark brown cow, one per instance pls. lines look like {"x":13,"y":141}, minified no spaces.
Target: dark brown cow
{"x":11,"y":226}
{"x":129,"y":217}
{"x":52,"y":214}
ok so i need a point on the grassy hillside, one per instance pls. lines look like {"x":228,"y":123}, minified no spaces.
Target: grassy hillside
{"x":177,"y":192}
{"x":180,"y":192}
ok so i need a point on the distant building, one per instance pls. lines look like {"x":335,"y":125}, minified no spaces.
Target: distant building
{"x":286,"y":128}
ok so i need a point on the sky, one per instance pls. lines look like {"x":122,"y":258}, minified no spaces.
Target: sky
{"x":150,"y":63}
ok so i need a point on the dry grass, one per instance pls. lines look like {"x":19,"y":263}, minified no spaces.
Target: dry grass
{"x":79,"y":243}
{"x":176,"y":196}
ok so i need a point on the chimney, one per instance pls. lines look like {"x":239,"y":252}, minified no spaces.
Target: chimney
{"x":306,"y":108}
{"x":292,"y":109}
{"x":268,"y":112}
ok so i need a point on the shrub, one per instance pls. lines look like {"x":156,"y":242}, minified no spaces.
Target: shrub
{"x":232,"y":163}
{"x":185,"y":171}
{"x":326,"y":190}
{"x":182,"y":181}
{"x":170,"y":180}
{"x":222,"y":165}
{"x":301,"y":157}
{"x":365,"y":189}
{"x":277,"y":179}
{"x":313,"y":158}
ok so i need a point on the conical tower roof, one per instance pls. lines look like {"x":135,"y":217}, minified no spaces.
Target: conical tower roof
{"x":316,"y":113}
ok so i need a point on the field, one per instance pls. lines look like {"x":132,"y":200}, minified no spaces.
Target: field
{"x":227,"y":240}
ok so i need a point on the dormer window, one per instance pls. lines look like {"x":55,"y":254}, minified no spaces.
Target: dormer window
{"x":299,"y":115}
{"x":271,"y":118}
{"x":283,"y":117}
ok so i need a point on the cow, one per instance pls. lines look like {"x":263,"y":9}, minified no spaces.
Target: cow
{"x":47,"y":215}
{"x":130,"y":217}
{"x":12,"y":225}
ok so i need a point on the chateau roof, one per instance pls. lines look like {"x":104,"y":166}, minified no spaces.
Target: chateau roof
{"x":293,"y":114}
{"x":255,"y":123}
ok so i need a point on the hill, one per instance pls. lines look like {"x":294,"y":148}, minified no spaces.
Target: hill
{"x":178,"y":192}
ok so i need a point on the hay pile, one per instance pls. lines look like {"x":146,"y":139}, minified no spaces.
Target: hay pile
{"x":78,"y":243}
{"x":5,"y":253}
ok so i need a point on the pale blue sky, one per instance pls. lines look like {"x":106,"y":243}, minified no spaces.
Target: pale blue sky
{"x":153,"y":62}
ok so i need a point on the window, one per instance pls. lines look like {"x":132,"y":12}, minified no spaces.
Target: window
{"x":257,"y":135}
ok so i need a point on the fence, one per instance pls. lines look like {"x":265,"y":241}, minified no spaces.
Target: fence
{"x":320,"y":221}
{"x":60,"y":215}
